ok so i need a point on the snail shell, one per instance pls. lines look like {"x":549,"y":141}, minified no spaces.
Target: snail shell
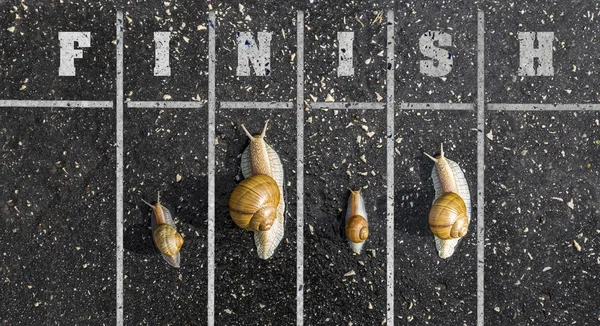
{"x":448,"y":177}
{"x":448,"y":217}
{"x":253,"y":203}
{"x":165,"y":235}
{"x":259,"y":158}
{"x":357,"y":226}
{"x":167,"y":239}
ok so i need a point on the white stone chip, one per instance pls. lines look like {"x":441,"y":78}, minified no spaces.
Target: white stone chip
{"x":570,"y":204}
{"x":576,"y":245}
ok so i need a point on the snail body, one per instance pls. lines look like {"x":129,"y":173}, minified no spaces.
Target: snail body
{"x":165,"y":235}
{"x":260,"y":195}
{"x":450,"y":214}
{"x":357,"y":224}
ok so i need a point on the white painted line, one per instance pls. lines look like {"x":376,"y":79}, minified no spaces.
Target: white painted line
{"x":348,"y":105}
{"x":256,"y":105}
{"x":480,"y":163}
{"x":300,"y":169}
{"x":162,"y":42}
{"x":345,"y":42}
{"x":119,"y":168}
{"x":165,"y":104}
{"x":437,"y":106}
{"x":390,"y":168}
{"x":55,"y":104}
{"x":543,"y":107}
{"x":211,"y":168}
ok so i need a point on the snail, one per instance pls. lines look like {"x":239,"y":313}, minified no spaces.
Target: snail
{"x":450,"y":213}
{"x":357,"y":226}
{"x":165,"y":235}
{"x":257,"y":203}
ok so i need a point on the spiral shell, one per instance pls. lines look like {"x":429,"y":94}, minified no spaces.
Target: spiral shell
{"x":253,"y":203}
{"x":448,"y":217}
{"x":167,"y":239}
{"x":357,"y":229}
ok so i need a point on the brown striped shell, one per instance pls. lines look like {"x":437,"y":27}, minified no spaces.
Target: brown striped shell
{"x":448,"y":217}
{"x":357,"y":229}
{"x":253,"y":203}
{"x":167,"y":239}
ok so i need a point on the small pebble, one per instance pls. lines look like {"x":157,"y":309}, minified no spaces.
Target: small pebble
{"x":576,"y":245}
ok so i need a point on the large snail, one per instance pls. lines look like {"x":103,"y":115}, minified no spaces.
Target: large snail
{"x":165,"y":235}
{"x":357,"y":224}
{"x":257,"y":203}
{"x":450,"y":214}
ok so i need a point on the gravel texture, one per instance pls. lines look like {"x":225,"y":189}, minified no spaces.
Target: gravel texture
{"x":58,"y":180}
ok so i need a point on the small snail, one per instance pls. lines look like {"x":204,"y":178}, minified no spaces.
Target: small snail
{"x":257,"y":203}
{"x":357,"y":226}
{"x":450,"y":214}
{"x":165,"y":235}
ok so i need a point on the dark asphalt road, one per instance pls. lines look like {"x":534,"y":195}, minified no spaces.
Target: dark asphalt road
{"x":58,"y":188}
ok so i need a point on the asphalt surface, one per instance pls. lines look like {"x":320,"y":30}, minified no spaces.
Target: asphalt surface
{"x":58,"y":231}
{"x":427,"y":288}
{"x":165,"y":151}
{"x":541,"y":173}
{"x":58,"y":186}
{"x":344,"y":149}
